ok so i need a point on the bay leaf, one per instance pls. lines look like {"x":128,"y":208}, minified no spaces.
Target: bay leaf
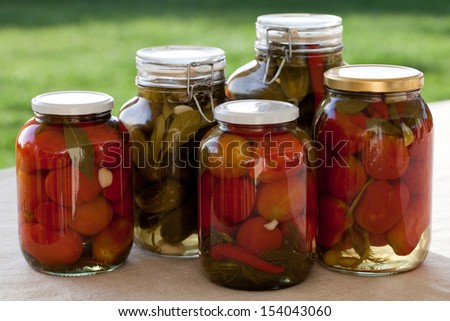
{"x":350,"y":107}
{"x":167,"y":111}
{"x":412,"y":112}
{"x":378,"y":125}
{"x":408,"y":135}
{"x":80,"y":149}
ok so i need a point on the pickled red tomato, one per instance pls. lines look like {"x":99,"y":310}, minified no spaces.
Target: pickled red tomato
{"x":233,"y":200}
{"x":53,"y":216}
{"x":70,"y":186}
{"x":404,"y":236}
{"x":381,"y":206}
{"x":207,"y":184}
{"x":422,"y":146}
{"x":333,"y":220}
{"x":344,"y":181}
{"x":51,"y":248}
{"x":279,"y":157}
{"x":281,"y":200}
{"x":31,"y":192}
{"x":311,"y":197}
{"x":385,"y":157}
{"x":342,"y":134}
{"x":378,"y":109}
{"x":119,"y":186}
{"x":254,"y":236}
{"x":107,"y":144}
{"x":124,"y":206}
{"x":418,"y":177}
{"x":91,"y":217}
{"x":41,"y":147}
{"x":114,"y":241}
{"x":228,"y":156}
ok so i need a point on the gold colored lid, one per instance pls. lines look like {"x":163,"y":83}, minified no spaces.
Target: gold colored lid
{"x":374,"y":78}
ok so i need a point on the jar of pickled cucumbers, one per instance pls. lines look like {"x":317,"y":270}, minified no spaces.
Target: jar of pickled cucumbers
{"x":257,"y":197}
{"x":375,"y":141}
{"x":177,"y":90}
{"x":292,"y":52}
{"x":73,"y":185}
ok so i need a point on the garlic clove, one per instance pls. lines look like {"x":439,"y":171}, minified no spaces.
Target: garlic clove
{"x":181,"y":109}
{"x":271,"y":225}
{"x":105,"y":177}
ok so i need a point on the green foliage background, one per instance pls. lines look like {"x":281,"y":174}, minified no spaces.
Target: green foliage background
{"x":52,"y":45}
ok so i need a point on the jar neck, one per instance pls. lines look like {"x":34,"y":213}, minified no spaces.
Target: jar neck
{"x":372,"y":97}
{"x":181,"y":95}
{"x":299,"y":58}
{"x":62,"y":119}
{"x":259,"y":130}
{"x":179,"y":80}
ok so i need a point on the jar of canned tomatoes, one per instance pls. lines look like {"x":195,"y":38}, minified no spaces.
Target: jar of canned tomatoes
{"x":257,"y":197}
{"x":292,"y":52}
{"x":178,"y":88}
{"x":375,"y":136}
{"x":73,"y":187}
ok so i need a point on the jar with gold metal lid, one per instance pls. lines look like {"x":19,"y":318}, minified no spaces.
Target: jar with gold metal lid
{"x":374,"y":136}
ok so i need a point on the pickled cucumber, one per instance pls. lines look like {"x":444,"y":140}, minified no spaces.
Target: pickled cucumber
{"x":161,"y":197}
{"x":180,"y":223}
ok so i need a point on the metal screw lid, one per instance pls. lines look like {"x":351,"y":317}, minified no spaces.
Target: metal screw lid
{"x":256,"y":112}
{"x":71,"y":103}
{"x":374,"y":78}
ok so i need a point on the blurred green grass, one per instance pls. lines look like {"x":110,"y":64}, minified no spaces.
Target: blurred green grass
{"x":52,"y":45}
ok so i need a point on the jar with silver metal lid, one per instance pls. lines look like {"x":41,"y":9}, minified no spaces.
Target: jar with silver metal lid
{"x":178,"y":88}
{"x":375,"y":144}
{"x":292,"y":52}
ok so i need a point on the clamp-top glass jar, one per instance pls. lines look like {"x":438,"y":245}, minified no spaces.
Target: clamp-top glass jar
{"x":292,"y":52}
{"x":178,"y":87}
{"x":74,"y":188}
{"x":257,"y":197}
{"x":376,"y":136}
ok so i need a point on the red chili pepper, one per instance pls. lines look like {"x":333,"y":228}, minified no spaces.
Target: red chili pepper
{"x":229,"y":251}
{"x":315,"y":65}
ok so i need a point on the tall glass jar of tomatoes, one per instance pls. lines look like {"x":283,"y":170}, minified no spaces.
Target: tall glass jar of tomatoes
{"x":178,"y":87}
{"x":257,"y":197}
{"x":375,"y":136}
{"x":292,"y":52}
{"x":73,"y":185}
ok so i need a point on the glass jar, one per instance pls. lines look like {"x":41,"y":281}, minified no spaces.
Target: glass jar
{"x":257,"y":197}
{"x":73,"y":186}
{"x":375,"y":140}
{"x":292,"y":53}
{"x":178,"y":87}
